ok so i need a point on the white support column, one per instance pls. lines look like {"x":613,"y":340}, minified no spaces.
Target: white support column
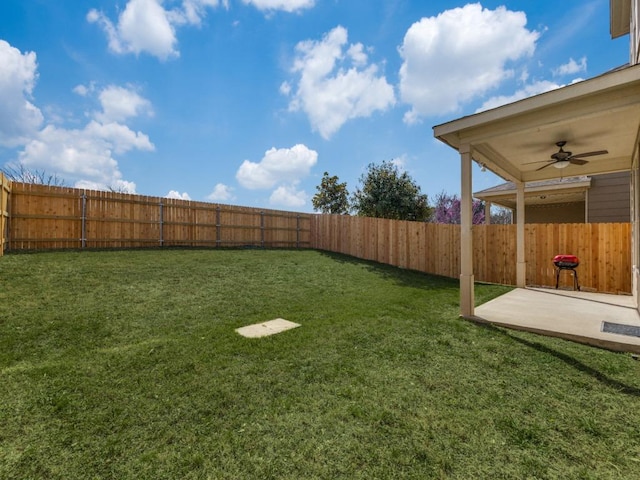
{"x":521,"y":266}
{"x":635,"y":229}
{"x":466,"y":234}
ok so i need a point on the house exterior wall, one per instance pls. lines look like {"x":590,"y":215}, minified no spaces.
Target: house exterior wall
{"x":554,"y":213}
{"x":609,"y":198}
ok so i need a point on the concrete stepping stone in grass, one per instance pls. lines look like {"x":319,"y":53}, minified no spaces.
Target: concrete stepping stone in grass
{"x":267,"y":328}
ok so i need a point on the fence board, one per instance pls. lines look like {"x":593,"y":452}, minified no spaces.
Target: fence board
{"x":604,"y":249}
{"x":47,"y":217}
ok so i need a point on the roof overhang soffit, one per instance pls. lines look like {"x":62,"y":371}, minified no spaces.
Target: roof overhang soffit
{"x":540,"y":195}
{"x":515,"y":140}
{"x":620,"y":17}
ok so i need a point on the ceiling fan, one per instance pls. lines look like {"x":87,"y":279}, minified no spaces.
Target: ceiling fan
{"x":562,"y":158}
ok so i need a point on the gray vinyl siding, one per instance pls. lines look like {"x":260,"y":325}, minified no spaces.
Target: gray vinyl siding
{"x":555,"y":213}
{"x":609,"y":198}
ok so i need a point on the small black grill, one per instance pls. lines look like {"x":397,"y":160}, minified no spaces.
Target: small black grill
{"x":567,"y":262}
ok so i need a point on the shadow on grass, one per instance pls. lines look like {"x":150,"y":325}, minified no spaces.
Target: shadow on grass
{"x":402,"y":277}
{"x":569,"y":360}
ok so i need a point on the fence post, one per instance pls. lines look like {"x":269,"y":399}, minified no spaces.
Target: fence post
{"x":218,"y":227}
{"x":298,"y":231}
{"x":83,"y":234}
{"x":161,"y":224}
{"x":5,"y":207}
{"x":7,"y":224}
{"x":262,"y":229}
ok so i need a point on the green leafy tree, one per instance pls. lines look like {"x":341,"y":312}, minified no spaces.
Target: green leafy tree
{"x":332,"y":196}
{"x":389,"y":193}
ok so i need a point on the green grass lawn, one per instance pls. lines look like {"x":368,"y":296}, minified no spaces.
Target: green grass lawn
{"x":125,"y":364}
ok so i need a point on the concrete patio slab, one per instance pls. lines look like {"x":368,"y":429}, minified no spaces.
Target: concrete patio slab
{"x":265,"y":329}
{"x":577,"y":316}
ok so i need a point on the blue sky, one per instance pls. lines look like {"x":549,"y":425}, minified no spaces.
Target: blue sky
{"x":248,"y":102}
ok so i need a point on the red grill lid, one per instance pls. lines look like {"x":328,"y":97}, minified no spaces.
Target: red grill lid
{"x":565,"y":259}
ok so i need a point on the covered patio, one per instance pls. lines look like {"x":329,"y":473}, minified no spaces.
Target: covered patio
{"x":598,"y":319}
{"x":598,"y":120}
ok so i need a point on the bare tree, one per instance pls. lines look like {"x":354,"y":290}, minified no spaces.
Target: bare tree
{"x":21,"y":173}
{"x":117,"y":189}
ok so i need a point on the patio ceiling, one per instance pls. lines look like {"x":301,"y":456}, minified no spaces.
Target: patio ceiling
{"x":514,"y":141}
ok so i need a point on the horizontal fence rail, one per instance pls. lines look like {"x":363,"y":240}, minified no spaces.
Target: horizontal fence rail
{"x":604,"y":249}
{"x":45,"y":217}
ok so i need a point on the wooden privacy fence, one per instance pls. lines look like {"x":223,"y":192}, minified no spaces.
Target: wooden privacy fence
{"x":5,"y":191}
{"x":604,"y":249}
{"x":45,"y":217}
{"x":38,"y":217}
{"x":426,"y":247}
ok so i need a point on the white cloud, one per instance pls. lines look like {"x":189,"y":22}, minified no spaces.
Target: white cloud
{"x":84,"y":155}
{"x":19,"y":118}
{"x":124,"y":186}
{"x":143,"y":26}
{"x":120,"y":137}
{"x":221,"y":193}
{"x":288,"y":196}
{"x":285,"y":88}
{"x":85,"y":90}
{"x":118,"y":185}
{"x":459,"y":55}
{"x":571,"y":67}
{"x":193,"y":11}
{"x":146,"y":26}
{"x":400,"y":162}
{"x":335,"y":83}
{"x":177,"y":195}
{"x":119,"y":104}
{"x":284,"y":5}
{"x":81,"y":90}
{"x":527,"y":91}
{"x":278,"y":166}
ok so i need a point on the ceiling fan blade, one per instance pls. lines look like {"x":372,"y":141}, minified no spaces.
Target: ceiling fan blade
{"x":545,"y":166}
{"x":590,"y":154}
{"x":578,"y":161}
{"x":537,"y":161}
